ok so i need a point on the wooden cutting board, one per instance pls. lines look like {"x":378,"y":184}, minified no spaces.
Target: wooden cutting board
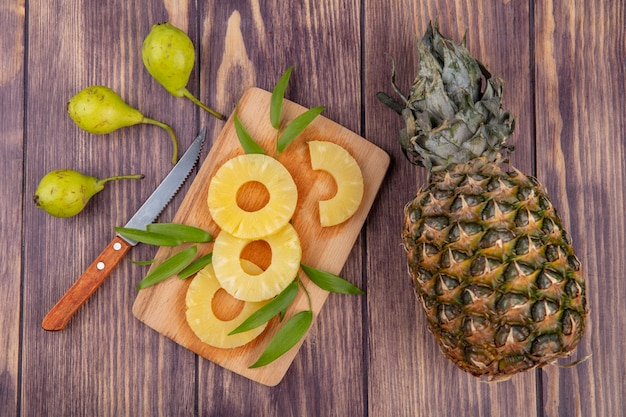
{"x":162,"y":306}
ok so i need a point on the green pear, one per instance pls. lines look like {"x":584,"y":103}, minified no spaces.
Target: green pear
{"x":65,"y":192}
{"x":168,"y":55}
{"x":100,"y":110}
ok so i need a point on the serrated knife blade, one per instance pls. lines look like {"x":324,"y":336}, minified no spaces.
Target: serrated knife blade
{"x":58,"y":317}
{"x":168,"y":188}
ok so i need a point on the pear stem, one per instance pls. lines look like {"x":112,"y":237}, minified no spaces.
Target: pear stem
{"x":187,"y":94}
{"x":100,"y":182}
{"x":122,"y":177}
{"x":170,"y":131}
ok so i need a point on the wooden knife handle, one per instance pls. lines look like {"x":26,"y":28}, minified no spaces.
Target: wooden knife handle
{"x":86,"y":285}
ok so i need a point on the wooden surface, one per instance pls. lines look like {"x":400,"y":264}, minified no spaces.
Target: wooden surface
{"x":162,"y":306}
{"x":563,"y":63}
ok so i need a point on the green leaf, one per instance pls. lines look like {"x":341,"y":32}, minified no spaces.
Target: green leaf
{"x":269,"y":310}
{"x":183,"y":232}
{"x":150,"y":238}
{"x":148,"y":262}
{"x":286,"y":338}
{"x":196,"y":266}
{"x":296,"y":126}
{"x":330,"y":282}
{"x":171,"y":266}
{"x":389,"y":102}
{"x":247,"y":143}
{"x":278,"y":95}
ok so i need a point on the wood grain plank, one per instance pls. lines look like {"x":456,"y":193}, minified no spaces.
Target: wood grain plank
{"x":407,"y":373}
{"x":580,"y":77}
{"x":260,"y":40}
{"x":105,"y":362}
{"x":12,"y":20}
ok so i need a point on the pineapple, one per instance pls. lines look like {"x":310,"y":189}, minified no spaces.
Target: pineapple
{"x":344,"y":169}
{"x":495,"y":271}
{"x":232,"y":176}
{"x":203,"y":320}
{"x":285,"y":262}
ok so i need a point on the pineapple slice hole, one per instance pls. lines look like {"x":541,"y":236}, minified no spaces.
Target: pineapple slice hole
{"x":259,"y":252}
{"x":325,"y":185}
{"x":225,"y":306}
{"x":252,"y":196}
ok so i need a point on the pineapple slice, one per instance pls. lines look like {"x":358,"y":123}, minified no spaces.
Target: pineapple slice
{"x":285,"y":262}
{"x":246,"y":169}
{"x":202,"y":318}
{"x":335,"y":160}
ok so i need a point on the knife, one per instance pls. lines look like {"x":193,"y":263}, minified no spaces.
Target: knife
{"x":99,"y":270}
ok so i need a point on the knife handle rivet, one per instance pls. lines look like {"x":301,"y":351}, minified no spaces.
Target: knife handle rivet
{"x":117,"y":246}
{"x":100,"y":266}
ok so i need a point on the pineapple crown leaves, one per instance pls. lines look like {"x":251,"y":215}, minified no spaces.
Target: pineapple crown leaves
{"x":451,"y":114}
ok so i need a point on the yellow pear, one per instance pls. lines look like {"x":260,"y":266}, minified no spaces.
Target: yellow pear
{"x":169,"y":55}
{"x":65,"y":192}
{"x":100,"y":110}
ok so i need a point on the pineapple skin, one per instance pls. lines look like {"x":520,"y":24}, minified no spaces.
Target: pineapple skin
{"x":494,"y":269}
